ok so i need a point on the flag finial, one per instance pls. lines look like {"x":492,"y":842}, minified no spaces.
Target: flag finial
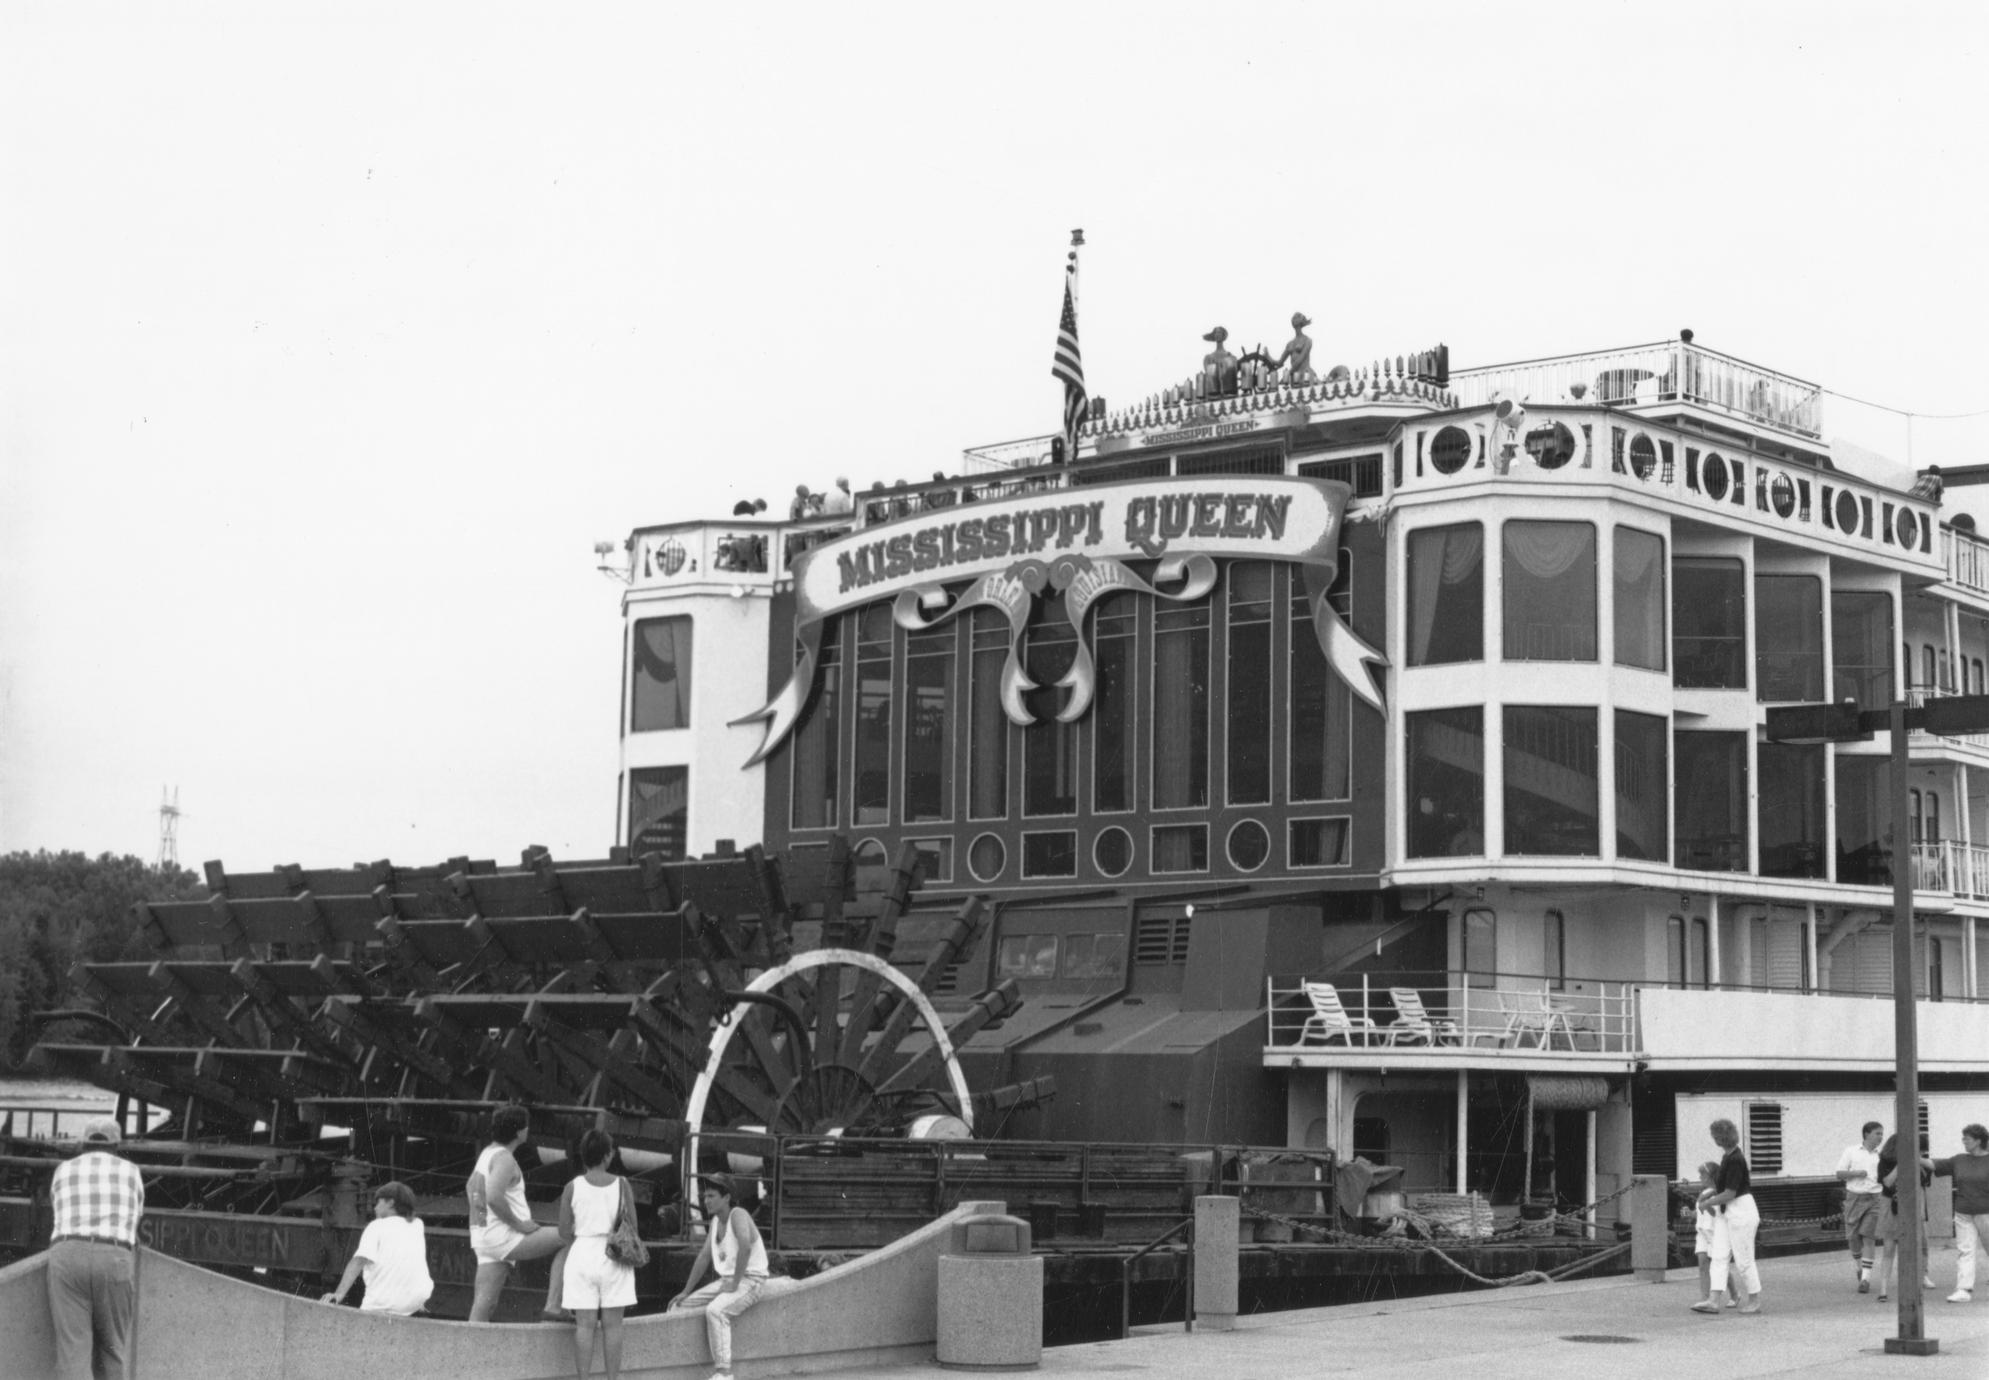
{"x":1077,"y":239}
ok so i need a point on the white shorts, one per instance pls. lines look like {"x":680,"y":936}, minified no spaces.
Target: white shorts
{"x":594,"y":1281}
{"x":494,"y":1241}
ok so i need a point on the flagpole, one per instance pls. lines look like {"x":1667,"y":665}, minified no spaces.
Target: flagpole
{"x":1068,"y":367}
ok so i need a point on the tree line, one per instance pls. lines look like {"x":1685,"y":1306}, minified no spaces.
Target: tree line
{"x":58,"y":909}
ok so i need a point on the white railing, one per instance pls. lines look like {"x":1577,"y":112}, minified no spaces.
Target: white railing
{"x":1667,"y":372}
{"x":1967,"y":559}
{"x":1486,"y":1012}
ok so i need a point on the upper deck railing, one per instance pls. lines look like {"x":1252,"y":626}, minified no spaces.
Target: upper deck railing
{"x":1967,"y":559}
{"x":1669,"y":372}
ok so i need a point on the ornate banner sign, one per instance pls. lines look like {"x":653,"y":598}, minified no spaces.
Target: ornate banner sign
{"x":1076,"y":541}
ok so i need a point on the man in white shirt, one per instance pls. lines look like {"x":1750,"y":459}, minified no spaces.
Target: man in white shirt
{"x":1857,"y":1170}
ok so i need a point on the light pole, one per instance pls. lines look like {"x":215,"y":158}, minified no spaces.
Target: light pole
{"x":1842,"y":723}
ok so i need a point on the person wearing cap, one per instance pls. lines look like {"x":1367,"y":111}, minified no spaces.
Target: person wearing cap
{"x":737,"y":1256}
{"x":1219,"y":366}
{"x":392,"y":1255}
{"x":92,"y":1287}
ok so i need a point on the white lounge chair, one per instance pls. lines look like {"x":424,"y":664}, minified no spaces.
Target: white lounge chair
{"x":1413,"y":1023}
{"x":1329,"y":1019}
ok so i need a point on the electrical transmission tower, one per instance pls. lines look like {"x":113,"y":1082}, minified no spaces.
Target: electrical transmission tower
{"x":169,"y":827}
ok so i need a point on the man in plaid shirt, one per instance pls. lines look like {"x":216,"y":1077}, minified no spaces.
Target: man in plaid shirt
{"x":98,"y":1198}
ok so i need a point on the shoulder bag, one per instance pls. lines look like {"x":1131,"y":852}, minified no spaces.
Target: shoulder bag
{"x":624,"y":1245}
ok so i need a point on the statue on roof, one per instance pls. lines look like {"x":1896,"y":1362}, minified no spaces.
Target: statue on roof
{"x":1299,"y":351}
{"x":1218,"y":367}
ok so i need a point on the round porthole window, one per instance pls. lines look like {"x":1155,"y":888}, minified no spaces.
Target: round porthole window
{"x":1782,"y":495}
{"x":1249,"y":844}
{"x":1906,"y":527}
{"x":1643,"y":456}
{"x":1849,"y":515}
{"x":1112,"y":851}
{"x":1713,"y":477}
{"x":1451,"y":450}
{"x":670,"y":557}
{"x":1551,"y":446}
{"x":986,"y":857}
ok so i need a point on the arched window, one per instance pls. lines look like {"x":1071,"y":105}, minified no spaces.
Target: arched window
{"x":1481,"y":947}
{"x":1698,"y":967}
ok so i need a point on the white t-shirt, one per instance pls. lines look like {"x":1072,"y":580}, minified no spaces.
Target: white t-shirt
{"x":1866,"y":1163}
{"x":396,"y":1273}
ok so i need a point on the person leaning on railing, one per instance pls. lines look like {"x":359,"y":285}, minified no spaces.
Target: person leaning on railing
{"x":98,"y":1198}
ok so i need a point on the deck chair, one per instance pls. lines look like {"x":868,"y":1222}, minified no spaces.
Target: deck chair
{"x":1329,"y":1019}
{"x":1534,"y":1015}
{"x":1414,"y":1023}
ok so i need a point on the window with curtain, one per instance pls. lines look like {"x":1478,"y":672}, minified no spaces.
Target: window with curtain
{"x":1317,"y":750}
{"x":1446,"y":783}
{"x":1791,"y":819}
{"x":659,"y":811}
{"x":1446,"y":594}
{"x":1248,"y":714}
{"x":874,"y":630}
{"x":1551,"y":792}
{"x":1709,"y":802}
{"x":660,"y":695}
{"x":1049,"y":748}
{"x":1114,"y":744}
{"x":987,"y":728}
{"x":818,"y":738}
{"x":1864,"y":820}
{"x":1643,"y":779}
{"x":1549,"y":591}
{"x":1788,"y":638}
{"x":1180,"y":705}
{"x":1481,"y":947}
{"x":1639,"y":599}
{"x":1861,"y":648}
{"x":929,"y":698}
{"x":1708,"y":624}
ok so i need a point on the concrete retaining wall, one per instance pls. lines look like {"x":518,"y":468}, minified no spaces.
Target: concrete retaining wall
{"x":193,"y":1324}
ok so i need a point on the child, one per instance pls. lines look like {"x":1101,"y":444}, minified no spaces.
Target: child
{"x":1702,"y":1245}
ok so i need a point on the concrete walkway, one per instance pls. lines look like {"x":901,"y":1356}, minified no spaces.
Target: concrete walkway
{"x":1813,"y":1324}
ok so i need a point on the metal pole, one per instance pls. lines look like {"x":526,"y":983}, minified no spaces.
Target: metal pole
{"x":1912,"y":1339}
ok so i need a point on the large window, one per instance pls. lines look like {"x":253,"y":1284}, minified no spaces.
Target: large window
{"x":1791,"y":809}
{"x":1639,"y":602}
{"x":1642,"y":778}
{"x":1447,"y":595}
{"x":1249,"y":703}
{"x":1708,"y":624}
{"x":1864,"y":820}
{"x":659,"y":811}
{"x":1446,"y":783}
{"x":818,"y":738}
{"x":1321,"y":709}
{"x":1180,"y":705}
{"x":1861,"y":648}
{"x":1709,"y":806}
{"x":873,"y":714}
{"x":929,"y":658}
{"x":660,"y":696}
{"x":1549,"y":591}
{"x":1788,"y":638}
{"x":987,"y":733}
{"x":1114,"y":735}
{"x":1551,"y":792}
{"x":1049,"y":748}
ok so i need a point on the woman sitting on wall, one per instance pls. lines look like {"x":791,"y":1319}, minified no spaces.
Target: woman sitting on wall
{"x":392,"y":1256}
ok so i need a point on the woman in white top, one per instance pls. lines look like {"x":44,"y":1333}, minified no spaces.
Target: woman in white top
{"x":502,"y":1232}
{"x":738,"y":1256}
{"x":597,"y":1288}
{"x":392,"y":1254}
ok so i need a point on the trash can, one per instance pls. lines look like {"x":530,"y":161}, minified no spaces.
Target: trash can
{"x":991,"y":1298}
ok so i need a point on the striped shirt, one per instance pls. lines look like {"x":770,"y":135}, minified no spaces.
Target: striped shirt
{"x":98,"y":1194}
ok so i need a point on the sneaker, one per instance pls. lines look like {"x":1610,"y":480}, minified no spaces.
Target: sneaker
{"x":1751,"y":1308}
{"x":1881,"y":1298}
{"x":1864,"y":1285}
{"x":1705,"y":1306}
{"x":1928,"y":1283}
{"x":1960,"y":1296}
{"x":1732,"y":1302}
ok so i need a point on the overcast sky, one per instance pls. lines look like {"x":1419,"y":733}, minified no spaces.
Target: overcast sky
{"x":333,"y":337}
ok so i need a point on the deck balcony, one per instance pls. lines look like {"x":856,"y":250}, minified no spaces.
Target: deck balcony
{"x":1663,"y":376}
{"x":1967,"y":559}
{"x":1531,"y":1023}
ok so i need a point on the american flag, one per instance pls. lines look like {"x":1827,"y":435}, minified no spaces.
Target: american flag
{"x":1068,"y":364}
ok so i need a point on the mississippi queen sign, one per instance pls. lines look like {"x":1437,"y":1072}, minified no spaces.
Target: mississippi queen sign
{"x":1005,"y":555}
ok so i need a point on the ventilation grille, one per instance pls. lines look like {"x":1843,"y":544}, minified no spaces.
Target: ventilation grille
{"x":1160,"y":939}
{"x":1764,"y":1137}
